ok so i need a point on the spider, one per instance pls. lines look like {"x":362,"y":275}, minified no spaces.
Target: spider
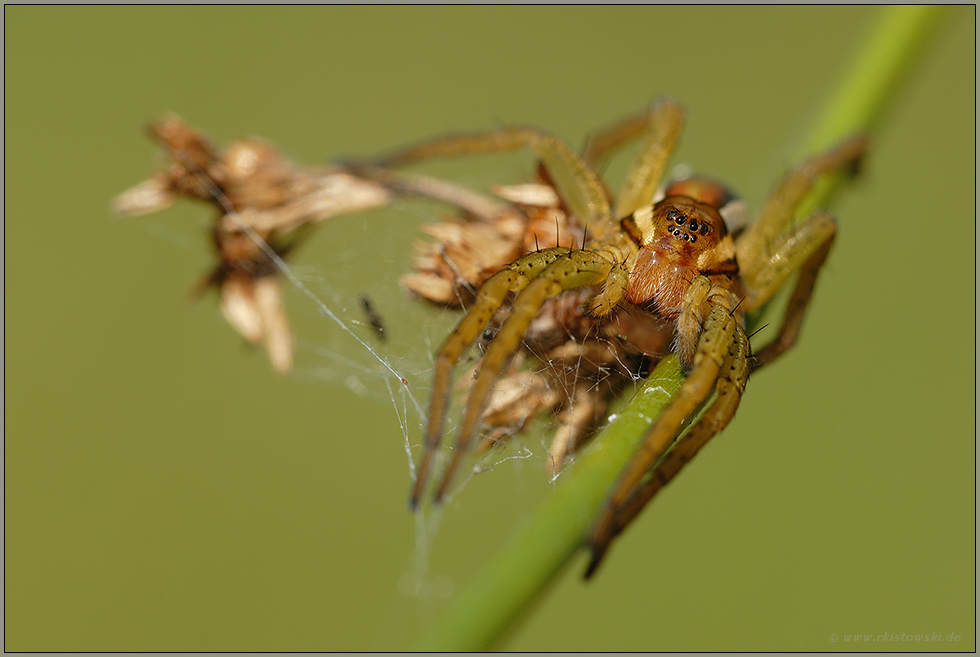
{"x":667,"y":254}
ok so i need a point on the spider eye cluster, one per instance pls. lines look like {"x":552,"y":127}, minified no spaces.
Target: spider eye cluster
{"x":679,"y":221}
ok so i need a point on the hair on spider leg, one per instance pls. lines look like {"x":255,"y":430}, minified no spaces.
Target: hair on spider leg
{"x":460,"y":280}
{"x":626,"y":308}
{"x":731,"y":313}
{"x":601,"y":169}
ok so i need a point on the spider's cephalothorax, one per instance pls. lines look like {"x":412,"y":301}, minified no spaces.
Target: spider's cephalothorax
{"x":679,"y":239}
{"x":669,"y":253}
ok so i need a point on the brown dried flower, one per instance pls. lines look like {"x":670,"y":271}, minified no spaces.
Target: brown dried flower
{"x":265,"y":206}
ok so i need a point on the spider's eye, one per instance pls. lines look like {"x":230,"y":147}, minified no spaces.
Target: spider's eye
{"x":693,"y":225}
{"x":704,"y":229}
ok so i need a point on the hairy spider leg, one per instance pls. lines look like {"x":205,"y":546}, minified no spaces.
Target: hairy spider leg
{"x":730,"y":386}
{"x":792,"y":323}
{"x":660,"y":126}
{"x":488,"y":301}
{"x":712,"y":356}
{"x":802,"y":247}
{"x":574,"y":269}
{"x":755,"y":246}
{"x":602,"y":143}
{"x":605,"y":141}
{"x":578,"y":186}
{"x":648,"y":167}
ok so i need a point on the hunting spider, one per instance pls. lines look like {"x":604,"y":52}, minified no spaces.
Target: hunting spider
{"x":668,"y":254}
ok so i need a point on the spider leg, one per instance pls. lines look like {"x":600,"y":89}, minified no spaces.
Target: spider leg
{"x":577,"y":184}
{"x":603,"y":142}
{"x":479,"y":205}
{"x":666,"y":120}
{"x":810,"y":244}
{"x":712,"y":354}
{"x":730,"y":387}
{"x":575,"y":269}
{"x":662,"y":124}
{"x":785,"y":255}
{"x":752,"y":246}
{"x":769,"y":253}
{"x":689,"y":321}
{"x":489,"y":299}
{"x":614,"y":287}
{"x":800,"y":248}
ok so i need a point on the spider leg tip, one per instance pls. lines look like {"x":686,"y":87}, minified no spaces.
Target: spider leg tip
{"x":415,"y":498}
{"x":594,"y":561}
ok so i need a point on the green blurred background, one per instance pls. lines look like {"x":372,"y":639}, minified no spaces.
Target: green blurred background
{"x":164,"y":490}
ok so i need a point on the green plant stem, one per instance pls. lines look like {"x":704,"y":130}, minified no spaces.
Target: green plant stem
{"x":538,"y":551}
{"x":868,"y":87}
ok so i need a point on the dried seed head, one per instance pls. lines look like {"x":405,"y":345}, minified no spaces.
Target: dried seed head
{"x":239,"y":309}
{"x":275,"y":324}
{"x":263,"y":202}
{"x":148,"y":196}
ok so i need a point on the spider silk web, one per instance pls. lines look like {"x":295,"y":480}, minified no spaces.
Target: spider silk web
{"x":355,"y":326}
{"x":360,"y":256}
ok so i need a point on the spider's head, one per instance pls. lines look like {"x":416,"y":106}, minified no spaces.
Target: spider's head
{"x":684,"y":231}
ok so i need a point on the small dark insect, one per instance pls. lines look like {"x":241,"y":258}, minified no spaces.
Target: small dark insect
{"x":372,"y":316}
